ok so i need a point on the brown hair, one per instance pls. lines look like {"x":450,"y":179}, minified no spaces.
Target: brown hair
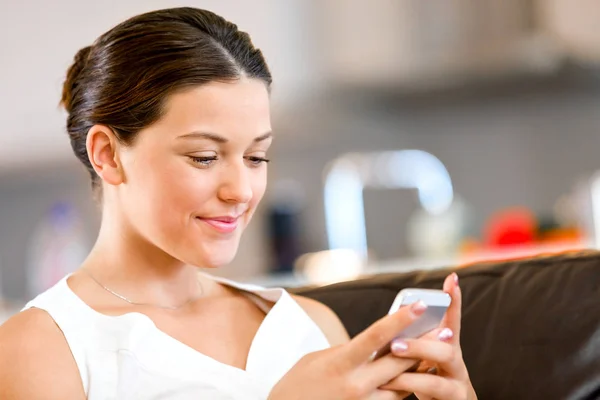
{"x":124,"y":78}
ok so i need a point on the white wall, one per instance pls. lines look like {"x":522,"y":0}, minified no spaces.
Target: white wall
{"x":38,"y":40}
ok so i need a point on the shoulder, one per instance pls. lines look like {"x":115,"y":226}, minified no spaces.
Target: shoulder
{"x":35,"y":360}
{"x":325,"y":318}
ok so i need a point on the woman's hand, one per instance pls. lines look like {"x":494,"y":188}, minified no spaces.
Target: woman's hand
{"x":440,"y":350}
{"x":346,"y":372}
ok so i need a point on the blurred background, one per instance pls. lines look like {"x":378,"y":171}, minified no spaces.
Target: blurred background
{"x":410,"y":134}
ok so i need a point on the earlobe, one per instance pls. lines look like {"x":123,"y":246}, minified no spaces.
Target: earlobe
{"x":102,"y":148}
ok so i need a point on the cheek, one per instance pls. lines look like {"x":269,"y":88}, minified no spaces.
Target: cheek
{"x":259,"y":186}
{"x":186,"y":189}
{"x":168,"y":186}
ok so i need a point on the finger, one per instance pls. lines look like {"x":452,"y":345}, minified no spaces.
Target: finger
{"x":388,"y":395}
{"x":428,"y":386}
{"x":435,"y":334}
{"x":452,"y":319}
{"x":427,"y":368}
{"x":443,"y":334}
{"x":421,"y":396}
{"x":385,"y":369}
{"x":360,"y":349}
{"x":439,"y":353}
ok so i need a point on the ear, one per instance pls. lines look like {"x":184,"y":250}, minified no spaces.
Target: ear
{"x":103,"y":152}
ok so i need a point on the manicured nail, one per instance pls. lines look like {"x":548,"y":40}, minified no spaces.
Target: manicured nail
{"x":418,"y":308}
{"x":455,"y":277}
{"x":445,"y":334}
{"x":399,"y":346}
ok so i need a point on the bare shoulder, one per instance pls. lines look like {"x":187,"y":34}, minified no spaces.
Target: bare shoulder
{"x":35,"y":360}
{"x":326,"y":319}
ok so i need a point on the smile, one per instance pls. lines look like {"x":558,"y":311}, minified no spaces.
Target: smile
{"x":222,"y":224}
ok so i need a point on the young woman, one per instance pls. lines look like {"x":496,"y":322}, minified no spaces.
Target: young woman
{"x":169,"y":112}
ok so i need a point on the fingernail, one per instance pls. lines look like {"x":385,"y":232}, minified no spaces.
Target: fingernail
{"x":418,"y":308}
{"x":455,"y":277}
{"x":399,"y":346}
{"x":432,"y":371}
{"x":445,"y":334}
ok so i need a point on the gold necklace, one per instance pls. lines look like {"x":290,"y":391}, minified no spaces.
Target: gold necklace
{"x":146,"y":304}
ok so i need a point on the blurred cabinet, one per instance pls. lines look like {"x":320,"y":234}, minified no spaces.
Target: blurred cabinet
{"x":574,"y":24}
{"x":418,"y":43}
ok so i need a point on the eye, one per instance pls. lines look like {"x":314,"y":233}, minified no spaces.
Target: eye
{"x":203,"y":161}
{"x":256,"y":161}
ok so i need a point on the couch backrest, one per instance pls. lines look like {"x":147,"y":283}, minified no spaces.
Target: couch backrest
{"x":531,"y":328}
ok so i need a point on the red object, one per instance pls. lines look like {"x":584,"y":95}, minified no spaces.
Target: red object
{"x":511,"y":227}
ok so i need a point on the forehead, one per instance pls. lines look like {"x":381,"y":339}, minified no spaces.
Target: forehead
{"x":226,"y":108}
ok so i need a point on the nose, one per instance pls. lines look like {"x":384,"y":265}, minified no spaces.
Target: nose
{"x":236,"y":185}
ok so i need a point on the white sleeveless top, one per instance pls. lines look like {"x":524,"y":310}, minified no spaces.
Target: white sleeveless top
{"x":128,"y":357}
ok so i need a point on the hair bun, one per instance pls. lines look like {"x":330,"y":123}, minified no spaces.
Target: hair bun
{"x":73,"y":75}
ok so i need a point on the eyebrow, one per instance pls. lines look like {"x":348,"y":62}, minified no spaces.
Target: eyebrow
{"x":218,"y":138}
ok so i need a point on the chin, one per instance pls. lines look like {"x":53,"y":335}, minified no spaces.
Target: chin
{"x":205,"y":249}
{"x":214,"y":256}
{"x":208,"y":261}
{"x":216,"y":262}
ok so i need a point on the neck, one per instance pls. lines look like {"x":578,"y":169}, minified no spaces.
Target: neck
{"x":127,"y":263}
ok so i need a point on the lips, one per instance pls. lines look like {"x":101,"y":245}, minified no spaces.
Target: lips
{"x":224,"y":224}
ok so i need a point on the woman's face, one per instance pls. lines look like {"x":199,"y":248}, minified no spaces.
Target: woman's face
{"x":194,"y":179}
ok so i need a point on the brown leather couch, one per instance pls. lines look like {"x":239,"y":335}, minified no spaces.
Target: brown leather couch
{"x":531,"y":328}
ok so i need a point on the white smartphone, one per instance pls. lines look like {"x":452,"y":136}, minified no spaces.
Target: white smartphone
{"x":437,"y":302}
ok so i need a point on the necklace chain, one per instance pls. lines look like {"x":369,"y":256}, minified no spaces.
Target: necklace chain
{"x":146,"y":304}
